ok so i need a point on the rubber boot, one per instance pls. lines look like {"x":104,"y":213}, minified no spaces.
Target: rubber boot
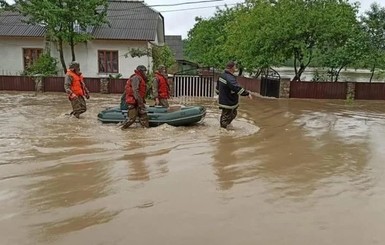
{"x":144,"y":121}
{"x":128,"y":123}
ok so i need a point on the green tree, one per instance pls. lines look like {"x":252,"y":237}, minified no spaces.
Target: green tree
{"x":45,"y":65}
{"x":373,"y":22}
{"x":249,"y":35}
{"x":3,"y":5}
{"x":62,"y":17}
{"x":205,"y":41}
{"x":295,"y":29}
{"x":93,"y":14}
{"x":337,"y":56}
{"x":161,"y":55}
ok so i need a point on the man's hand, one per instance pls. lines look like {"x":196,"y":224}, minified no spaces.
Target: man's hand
{"x":156,"y":101}
{"x":72,"y":96}
{"x":250,"y":96}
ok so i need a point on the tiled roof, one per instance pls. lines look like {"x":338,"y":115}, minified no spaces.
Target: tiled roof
{"x":176,"y":45}
{"x":12,"y":24}
{"x":127,"y":20}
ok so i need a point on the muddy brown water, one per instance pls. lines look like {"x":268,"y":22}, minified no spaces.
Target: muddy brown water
{"x":290,"y":172}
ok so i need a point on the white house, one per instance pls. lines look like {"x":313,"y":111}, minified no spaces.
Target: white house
{"x":131,"y":24}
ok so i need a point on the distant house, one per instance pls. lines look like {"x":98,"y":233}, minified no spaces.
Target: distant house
{"x":183,"y":66}
{"x":132,"y":24}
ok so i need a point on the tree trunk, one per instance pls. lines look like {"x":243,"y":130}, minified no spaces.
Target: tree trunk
{"x":371,"y":76}
{"x":331,"y":75}
{"x":240,"y":71}
{"x":63,"y":63}
{"x":298,"y":73}
{"x":338,"y":73}
{"x":302,"y":67}
{"x":72,"y":44}
{"x":296,"y":77}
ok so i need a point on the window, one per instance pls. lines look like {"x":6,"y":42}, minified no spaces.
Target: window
{"x":108,"y":61}
{"x":30,"y":55}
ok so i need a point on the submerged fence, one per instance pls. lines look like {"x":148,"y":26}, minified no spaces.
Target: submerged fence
{"x":318,"y":90}
{"x":372,"y":91}
{"x":194,"y":86}
{"x":17,"y":83}
{"x":204,"y":86}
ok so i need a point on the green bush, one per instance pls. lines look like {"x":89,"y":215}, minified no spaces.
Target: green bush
{"x":45,"y":65}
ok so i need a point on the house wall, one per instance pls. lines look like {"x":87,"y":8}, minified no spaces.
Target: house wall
{"x":11,"y":53}
{"x":87,"y":55}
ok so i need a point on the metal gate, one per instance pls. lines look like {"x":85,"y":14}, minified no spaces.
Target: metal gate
{"x":193,"y":86}
{"x":270,"y":83}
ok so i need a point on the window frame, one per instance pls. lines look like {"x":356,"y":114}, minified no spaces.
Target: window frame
{"x":34,"y":53}
{"x":110,"y":66}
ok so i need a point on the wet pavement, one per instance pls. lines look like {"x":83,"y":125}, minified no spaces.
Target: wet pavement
{"x":289,"y":172}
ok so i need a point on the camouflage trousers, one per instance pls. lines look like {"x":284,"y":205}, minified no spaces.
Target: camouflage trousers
{"x":78,"y":106}
{"x":133,"y":114}
{"x":227,"y":116}
{"x":163,"y":102}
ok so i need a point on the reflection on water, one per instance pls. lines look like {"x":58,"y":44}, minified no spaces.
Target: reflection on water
{"x":80,"y":182}
{"x":225,"y":161}
{"x":48,"y":231}
{"x":290,"y":172}
{"x":235,"y":161}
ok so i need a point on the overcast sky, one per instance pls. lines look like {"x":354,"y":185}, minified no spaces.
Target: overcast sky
{"x":179,"y":19}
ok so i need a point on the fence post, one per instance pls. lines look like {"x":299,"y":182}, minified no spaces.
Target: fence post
{"x":351,"y":91}
{"x":171,"y":84}
{"x":104,"y":85}
{"x":284,"y":89}
{"x":39,"y":83}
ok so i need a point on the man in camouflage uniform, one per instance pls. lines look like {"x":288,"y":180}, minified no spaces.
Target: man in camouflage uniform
{"x":161,"y":88}
{"x":134,"y":95}
{"x":76,"y":89}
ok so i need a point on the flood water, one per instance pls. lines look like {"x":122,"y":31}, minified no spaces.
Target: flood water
{"x":290,"y":172}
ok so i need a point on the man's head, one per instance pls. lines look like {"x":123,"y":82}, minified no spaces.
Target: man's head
{"x":142,"y":69}
{"x":74,"y":66}
{"x":162,"y":69}
{"x":231,"y":66}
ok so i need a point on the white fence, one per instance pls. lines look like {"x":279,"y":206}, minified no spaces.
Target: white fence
{"x":194,"y":86}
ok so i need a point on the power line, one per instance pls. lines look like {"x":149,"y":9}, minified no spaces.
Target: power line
{"x":143,"y":5}
{"x":136,"y":10}
{"x":214,"y":6}
{"x":184,"y":3}
{"x":136,"y":13}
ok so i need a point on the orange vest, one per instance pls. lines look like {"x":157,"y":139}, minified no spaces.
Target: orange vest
{"x":76,"y":85}
{"x":130,"y":99}
{"x":163,"y":87}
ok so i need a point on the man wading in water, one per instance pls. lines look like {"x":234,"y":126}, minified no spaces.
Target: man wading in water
{"x":229,"y":91}
{"x":134,"y":98}
{"x":76,"y":89}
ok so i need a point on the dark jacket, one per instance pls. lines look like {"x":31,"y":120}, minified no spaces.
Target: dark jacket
{"x":229,"y":90}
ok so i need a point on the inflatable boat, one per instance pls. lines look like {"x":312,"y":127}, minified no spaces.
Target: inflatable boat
{"x":174,"y":115}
